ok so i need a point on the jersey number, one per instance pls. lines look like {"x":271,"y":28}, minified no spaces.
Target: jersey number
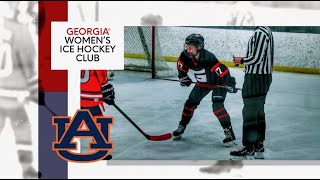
{"x":85,"y":76}
{"x":5,"y":60}
{"x":180,"y":65}
{"x":218,"y":70}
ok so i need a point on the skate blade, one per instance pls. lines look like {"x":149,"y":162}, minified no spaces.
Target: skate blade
{"x":259,"y":155}
{"x":236,"y":158}
{"x":177,"y":137}
{"x":230,"y":144}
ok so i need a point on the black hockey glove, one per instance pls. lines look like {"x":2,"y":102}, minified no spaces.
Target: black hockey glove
{"x":185,"y":81}
{"x":108,"y":94}
{"x":231,"y":86}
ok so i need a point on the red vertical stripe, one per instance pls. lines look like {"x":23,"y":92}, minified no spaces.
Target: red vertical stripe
{"x":153,"y":34}
{"x":51,"y":81}
{"x":50,"y":164}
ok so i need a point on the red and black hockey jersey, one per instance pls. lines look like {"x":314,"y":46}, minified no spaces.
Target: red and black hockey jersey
{"x":206,"y":70}
{"x":91,"y":82}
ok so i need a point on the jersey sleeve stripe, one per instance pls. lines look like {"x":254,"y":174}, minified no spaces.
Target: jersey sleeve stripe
{"x":181,"y":69}
{"x":224,"y":73}
{"x":91,"y":95}
{"x":215,"y":66}
{"x":91,"y":92}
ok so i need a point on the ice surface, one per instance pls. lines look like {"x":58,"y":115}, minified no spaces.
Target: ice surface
{"x":292,"y":117}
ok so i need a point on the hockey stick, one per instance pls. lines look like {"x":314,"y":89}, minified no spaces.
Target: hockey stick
{"x":149,"y":137}
{"x":213,"y":85}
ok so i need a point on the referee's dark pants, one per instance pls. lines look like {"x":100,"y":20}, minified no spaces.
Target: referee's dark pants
{"x":254,"y":92}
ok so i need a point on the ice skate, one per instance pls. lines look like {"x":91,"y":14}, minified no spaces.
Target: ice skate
{"x":259,"y":151}
{"x":246,"y":153}
{"x":229,"y":141}
{"x":177,"y":134}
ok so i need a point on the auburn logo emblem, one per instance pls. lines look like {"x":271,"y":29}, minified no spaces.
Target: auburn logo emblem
{"x":98,"y":129}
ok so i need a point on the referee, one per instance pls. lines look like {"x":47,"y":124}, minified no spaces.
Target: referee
{"x":258,"y":77}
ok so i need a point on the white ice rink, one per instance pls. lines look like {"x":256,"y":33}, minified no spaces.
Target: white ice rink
{"x":292,"y":117}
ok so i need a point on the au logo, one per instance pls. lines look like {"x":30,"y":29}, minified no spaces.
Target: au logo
{"x":67,"y":129}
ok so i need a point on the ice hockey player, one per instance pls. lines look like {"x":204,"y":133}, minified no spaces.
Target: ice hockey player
{"x":208,"y":71}
{"x":95,"y":90}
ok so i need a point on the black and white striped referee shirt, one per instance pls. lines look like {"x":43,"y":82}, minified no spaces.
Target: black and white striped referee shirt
{"x":259,"y":59}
